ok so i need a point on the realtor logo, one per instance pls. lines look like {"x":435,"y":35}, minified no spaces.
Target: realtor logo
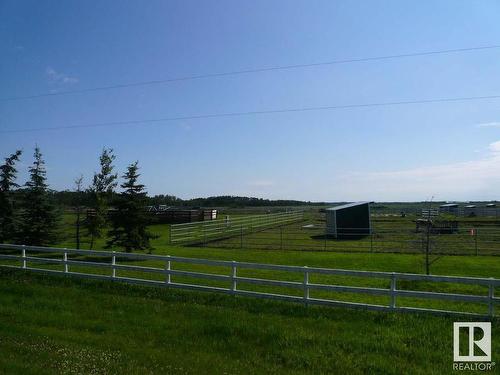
{"x":478,"y":348}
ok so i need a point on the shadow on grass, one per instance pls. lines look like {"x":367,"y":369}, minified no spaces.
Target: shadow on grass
{"x":211,"y":299}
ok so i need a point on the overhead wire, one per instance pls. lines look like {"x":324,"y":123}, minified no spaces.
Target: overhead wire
{"x":253,"y":113}
{"x":247,"y":71}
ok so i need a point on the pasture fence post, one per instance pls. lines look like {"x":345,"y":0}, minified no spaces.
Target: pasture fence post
{"x":241,"y":236}
{"x":475,"y":240}
{"x":491,"y":295}
{"x":113,"y":264}
{"x":168,"y":268}
{"x":393,"y":290}
{"x":65,"y":261}
{"x":233,"y":277}
{"x":371,"y":241}
{"x":24,"y":256}
{"x":306,"y":286}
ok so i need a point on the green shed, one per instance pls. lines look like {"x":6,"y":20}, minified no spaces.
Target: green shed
{"x":349,"y":220}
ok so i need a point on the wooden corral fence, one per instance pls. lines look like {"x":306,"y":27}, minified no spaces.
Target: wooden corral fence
{"x":105,"y":263}
{"x":179,"y":215}
{"x":203,"y":231}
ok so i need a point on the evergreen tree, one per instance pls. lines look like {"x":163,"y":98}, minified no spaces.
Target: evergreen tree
{"x":129,"y":221}
{"x":101,"y":191}
{"x":38,"y":214}
{"x":8,"y":174}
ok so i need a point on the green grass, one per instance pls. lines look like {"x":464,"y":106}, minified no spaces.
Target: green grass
{"x":61,"y":325}
{"x":410,"y":263}
{"x":392,"y":234}
{"x":66,"y":235}
{"x":53,"y":324}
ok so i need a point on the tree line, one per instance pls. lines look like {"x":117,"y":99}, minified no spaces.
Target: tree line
{"x":30,"y":215}
{"x":67,"y":198}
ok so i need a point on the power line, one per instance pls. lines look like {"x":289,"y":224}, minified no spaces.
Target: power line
{"x":251,"y":113}
{"x":248,"y":71}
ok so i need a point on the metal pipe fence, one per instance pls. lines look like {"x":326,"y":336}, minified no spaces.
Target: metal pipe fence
{"x":204,"y":231}
{"x":466,"y":241}
{"x":109,"y":264}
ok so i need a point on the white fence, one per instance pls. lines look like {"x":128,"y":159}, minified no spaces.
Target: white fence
{"x":203,"y":231}
{"x":17,"y":257}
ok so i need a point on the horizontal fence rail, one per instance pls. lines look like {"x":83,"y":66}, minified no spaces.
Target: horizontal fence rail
{"x":203,"y":231}
{"x":487,"y":212}
{"x":109,"y":264}
{"x":484,"y":240}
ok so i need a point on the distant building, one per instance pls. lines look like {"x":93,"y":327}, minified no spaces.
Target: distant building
{"x":449,"y":208}
{"x":470,"y":210}
{"x":349,"y":220}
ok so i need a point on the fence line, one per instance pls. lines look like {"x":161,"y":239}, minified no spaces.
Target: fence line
{"x":234,"y":280}
{"x":484,"y":240}
{"x":203,"y":231}
{"x":492,"y":212}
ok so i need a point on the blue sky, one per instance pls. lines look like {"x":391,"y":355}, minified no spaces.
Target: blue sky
{"x":412,"y":152}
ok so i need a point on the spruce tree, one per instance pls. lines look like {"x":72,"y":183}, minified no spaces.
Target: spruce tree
{"x":129,"y":220}
{"x":101,"y":191}
{"x":8,"y":174}
{"x":38,"y":217}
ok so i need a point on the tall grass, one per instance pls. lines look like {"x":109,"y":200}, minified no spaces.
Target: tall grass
{"x":60,"y":325}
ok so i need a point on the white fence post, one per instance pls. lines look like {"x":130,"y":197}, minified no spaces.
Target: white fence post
{"x":65,"y":261}
{"x":491,"y":295}
{"x":393,"y":290}
{"x":168,"y":267}
{"x":24,"y":256}
{"x":113,"y":264}
{"x":306,"y":286}
{"x":233,"y":277}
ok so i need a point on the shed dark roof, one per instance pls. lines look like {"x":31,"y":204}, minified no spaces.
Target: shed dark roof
{"x":449,"y":205}
{"x":348,"y":205}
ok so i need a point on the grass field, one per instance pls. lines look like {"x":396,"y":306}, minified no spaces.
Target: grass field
{"x":392,"y":234}
{"x":59,"y":325}
{"x":453,"y":265}
{"x":54,"y":324}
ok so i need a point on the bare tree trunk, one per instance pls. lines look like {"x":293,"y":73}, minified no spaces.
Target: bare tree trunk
{"x":427,"y":249}
{"x":78,"y":228}
{"x":428,"y":240}
{"x":78,"y":184}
